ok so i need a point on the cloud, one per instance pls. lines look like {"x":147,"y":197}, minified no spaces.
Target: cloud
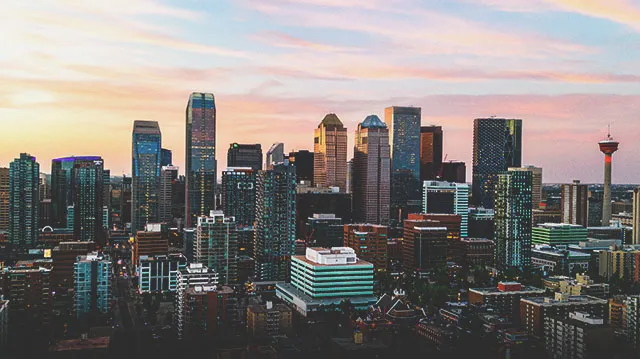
{"x":280,"y":39}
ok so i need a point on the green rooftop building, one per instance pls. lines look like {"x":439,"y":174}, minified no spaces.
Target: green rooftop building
{"x":558,"y":234}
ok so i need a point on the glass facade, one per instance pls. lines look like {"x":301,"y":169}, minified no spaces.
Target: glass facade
{"x":323,"y":281}
{"x":24,"y":175}
{"x":275,"y":231}
{"x":404,"y":138}
{"x":166,"y":157}
{"x":200,"y":163}
{"x":216,"y":245}
{"x":448,"y":197}
{"x":513,"y":219}
{"x":160,"y":273}
{"x":145,"y":189}
{"x":242,"y":155}
{"x":92,"y":280}
{"x":497,"y":145}
{"x":330,"y":153}
{"x":430,"y":152}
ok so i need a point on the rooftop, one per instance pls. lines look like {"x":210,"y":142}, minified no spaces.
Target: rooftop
{"x":560,"y":226}
{"x":335,"y":256}
{"x":331,"y":120}
{"x":577,"y":299}
{"x":495,"y":290}
{"x":81,"y":344}
{"x":372,"y":121}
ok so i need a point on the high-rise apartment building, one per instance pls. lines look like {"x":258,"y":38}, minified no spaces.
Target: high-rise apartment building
{"x":631,"y":320}
{"x":149,"y":242}
{"x":371,"y":172}
{"x":447,"y":197}
{"x":29,"y":293}
{"x":239,"y":201}
{"x":195,"y":274}
{"x":275,"y":229}
{"x":513,"y":219}
{"x":4,"y":199}
{"x":594,"y":207}
{"x":574,"y":203}
{"x":159,"y":274}
{"x":88,"y":196}
{"x":404,"y":138}
{"x":92,"y":282}
{"x":64,"y":257}
{"x":168,"y":174}
{"x":430,"y":152}
{"x":369,"y":241}
{"x":303,"y":160}
{"x":216,"y":245}
{"x":200,"y":163}
{"x":24,"y":175}
{"x":497,"y":145}
{"x":580,"y":336}
{"x":536,"y":185}
{"x":330,"y":153}
{"x":326,"y":276}
{"x":245,"y":155}
{"x":145,"y":187}
{"x":275,"y":155}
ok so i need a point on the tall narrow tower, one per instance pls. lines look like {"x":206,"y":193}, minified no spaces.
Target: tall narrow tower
{"x":608,"y":147}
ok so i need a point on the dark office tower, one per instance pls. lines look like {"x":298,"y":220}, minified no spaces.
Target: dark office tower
{"x":239,"y":201}
{"x":481,"y":223}
{"x":145,"y":188}
{"x":595,"y":208}
{"x":125,"y":200}
{"x":274,"y":155}
{"x":574,"y":203}
{"x":424,"y":246}
{"x":166,"y":157}
{"x":242,"y":155}
{"x":178,"y":200}
{"x":497,"y":145}
{"x":24,"y":173}
{"x":454,"y":171}
{"x":63,"y":192}
{"x":4,"y":199}
{"x":324,"y":230}
{"x":430,"y":152}
{"x":513,"y":219}
{"x":87,"y":189}
{"x":404,"y":136}
{"x":106,"y":188}
{"x":369,"y":241}
{"x":275,"y":232}
{"x":320,"y":200}
{"x":168,"y":174}
{"x":201,"y":165}
{"x":371,"y":172}
{"x":44,"y":187}
{"x":303,"y":160}
{"x":330,"y":153}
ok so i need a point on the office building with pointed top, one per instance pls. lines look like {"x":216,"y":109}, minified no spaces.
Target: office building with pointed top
{"x":145,"y":187}
{"x":497,"y":146}
{"x":404,"y":140}
{"x":245,"y":155}
{"x":200,"y":162}
{"x":24,"y":176}
{"x":330,"y":153}
{"x":513,"y":219}
{"x":275,"y":223}
{"x":371,"y":172}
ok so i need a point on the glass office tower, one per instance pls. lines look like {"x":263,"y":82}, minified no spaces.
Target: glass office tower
{"x":200,"y":162}
{"x":145,"y":189}
{"x":24,"y":176}
{"x":497,"y":145}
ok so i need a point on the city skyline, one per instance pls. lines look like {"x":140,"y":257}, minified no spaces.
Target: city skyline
{"x":552,"y":63}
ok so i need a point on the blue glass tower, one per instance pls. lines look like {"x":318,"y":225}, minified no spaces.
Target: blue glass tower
{"x":497,"y":145}
{"x":166,"y":157}
{"x":404,"y":138}
{"x":200,"y":162}
{"x":145,"y":188}
{"x":92,"y":282}
{"x":24,"y":176}
{"x":88,"y":183}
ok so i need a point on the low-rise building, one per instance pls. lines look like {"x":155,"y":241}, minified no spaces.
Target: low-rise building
{"x":559,"y":260}
{"x":578,"y":336}
{"x":533,"y":311}
{"x":442,"y":338}
{"x":208,"y":311}
{"x":473,"y":251}
{"x":268,"y":320}
{"x":554,"y":234}
{"x":505,"y":299}
{"x":324,"y":277}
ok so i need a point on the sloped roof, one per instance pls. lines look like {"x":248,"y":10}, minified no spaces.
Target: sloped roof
{"x":331,"y":120}
{"x":373,"y":121}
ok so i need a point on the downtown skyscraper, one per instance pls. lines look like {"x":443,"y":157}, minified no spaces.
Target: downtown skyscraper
{"x":497,"y":145}
{"x":404,"y":136}
{"x":4,"y":198}
{"x":145,"y":187}
{"x":24,"y":176}
{"x":216,"y":245}
{"x":200,"y":162}
{"x":275,"y":231}
{"x":330,"y":153}
{"x":245,"y":155}
{"x":239,"y":201}
{"x":430,"y":152}
{"x":574,"y":203}
{"x":513,"y":219}
{"x":275,"y":154}
{"x":88,"y":199}
{"x":371,"y":172}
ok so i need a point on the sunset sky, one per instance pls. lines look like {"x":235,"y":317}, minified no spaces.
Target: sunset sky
{"x":75,"y":74}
